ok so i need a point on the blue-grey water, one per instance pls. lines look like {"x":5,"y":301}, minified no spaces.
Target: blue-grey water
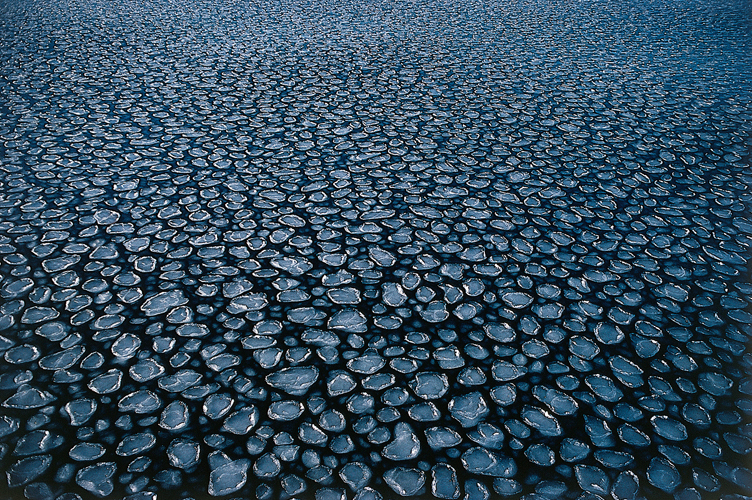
{"x":377,"y":249}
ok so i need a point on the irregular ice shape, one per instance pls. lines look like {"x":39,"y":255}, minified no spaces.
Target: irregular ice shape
{"x":242,"y":421}
{"x":27,"y":470}
{"x":141,"y":402}
{"x":468,"y":409}
{"x":592,"y":479}
{"x":107,"y":382}
{"x":27,"y":397}
{"x":626,"y":486}
{"x":540,"y":454}
{"x":444,"y":483}
{"x":295,"y":380}
{"x":348,"y":320}
{"x":97,"y":479}
{"x":404,"y":481}
{"x":604,"y":388}
{"x":37,"y":441}
{"x":135,"y":444}
{"x":517,"y":300}
{"x":668,"y":428}
{"x":367,"y":364}
{"x":393,"y":294}
{"x":404,"y":446}
{"x":163,"y":302}
{"x":229,"y":477}
{"x":174,"y":417}
{"x":217,"y":405}
{"x":435,"y":312}
{"x":481,"y":461}
{"x":80,"y":410}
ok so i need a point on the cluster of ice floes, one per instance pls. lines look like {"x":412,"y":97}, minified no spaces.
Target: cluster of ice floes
{"x":340,"y":250}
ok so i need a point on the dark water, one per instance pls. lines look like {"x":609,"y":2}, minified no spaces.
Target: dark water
{"x":330,"y":250}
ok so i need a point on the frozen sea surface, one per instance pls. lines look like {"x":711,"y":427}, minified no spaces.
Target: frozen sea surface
{"x":375,"y":250}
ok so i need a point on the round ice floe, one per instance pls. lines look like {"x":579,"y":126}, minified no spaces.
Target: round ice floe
{"x":183,"y":453}
{"x":135,"y":444}
{"x":356,"y":475}
{"x":429,"y":385}
{"x":285,"y":410}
